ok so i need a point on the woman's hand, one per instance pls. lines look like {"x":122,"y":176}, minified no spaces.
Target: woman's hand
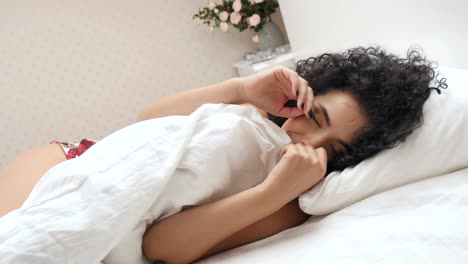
{"x":301,"y":167}
{"x":270,"y":90}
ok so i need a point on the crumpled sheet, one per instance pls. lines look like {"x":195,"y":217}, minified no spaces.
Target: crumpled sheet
{"x":96,"y":207}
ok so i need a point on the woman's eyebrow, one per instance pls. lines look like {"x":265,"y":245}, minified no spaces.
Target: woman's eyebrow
{"x":325,"y":113}
{"x":327,"y":119}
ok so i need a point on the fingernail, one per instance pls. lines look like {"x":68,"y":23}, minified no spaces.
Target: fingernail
{"x":302,"y":106}
{"x":297,"y":93}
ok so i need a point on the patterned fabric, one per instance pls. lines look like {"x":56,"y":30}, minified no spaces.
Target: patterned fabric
{"x":75,"y":149}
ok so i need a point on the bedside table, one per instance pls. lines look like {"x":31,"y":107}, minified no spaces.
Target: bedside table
{"x":246,"y":68}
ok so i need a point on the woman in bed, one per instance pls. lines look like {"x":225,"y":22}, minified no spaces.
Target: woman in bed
{"x":338,"y":109}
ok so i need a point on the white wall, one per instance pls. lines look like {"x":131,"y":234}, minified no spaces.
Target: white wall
{"x":440,"y":27}
{"x":83,"y":69}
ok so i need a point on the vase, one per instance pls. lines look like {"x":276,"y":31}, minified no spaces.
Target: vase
{"x":270,"y":37}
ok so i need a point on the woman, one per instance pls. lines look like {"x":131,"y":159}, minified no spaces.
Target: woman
{"x":349,"y":106}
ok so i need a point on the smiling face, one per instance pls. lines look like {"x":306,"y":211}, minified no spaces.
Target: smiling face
{"x":334,"y":124}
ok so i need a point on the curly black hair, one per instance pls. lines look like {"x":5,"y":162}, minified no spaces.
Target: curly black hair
{"x":390,"y":90}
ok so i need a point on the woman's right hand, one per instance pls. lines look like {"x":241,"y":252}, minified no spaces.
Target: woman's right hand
{"x":271,"y":89}
{"x":301,"y":167}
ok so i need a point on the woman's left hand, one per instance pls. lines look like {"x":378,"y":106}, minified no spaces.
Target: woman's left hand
{"x":269,"y":90}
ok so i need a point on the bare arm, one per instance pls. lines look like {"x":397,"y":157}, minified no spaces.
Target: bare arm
{"x":288,"y":216}
{"x":184,"y":103}
{"x":201,"y":228}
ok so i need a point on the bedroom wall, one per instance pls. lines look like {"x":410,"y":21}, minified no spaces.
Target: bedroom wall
{"x":75,"y":69}
{"x":439,"y":27}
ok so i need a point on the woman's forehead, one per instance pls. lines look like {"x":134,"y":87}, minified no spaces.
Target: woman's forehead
{"x":341,"y":102}
{"x":344,"y":112}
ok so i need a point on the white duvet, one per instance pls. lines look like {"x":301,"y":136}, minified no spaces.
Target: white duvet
{"x":96,"y":207}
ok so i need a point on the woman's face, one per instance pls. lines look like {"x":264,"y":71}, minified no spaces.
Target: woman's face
{"x":345,"y":118}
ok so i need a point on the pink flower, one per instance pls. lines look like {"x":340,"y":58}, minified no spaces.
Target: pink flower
{"x":254,"y":20}
{"x":219,"y":2}
{"x":258,"y":1}
{"x":256,"y":39}
{"x":235,"y":18}
{"x":237,"y":5}
{"x":224,"y":26}
{"x":223,"y":15}
{"x":211,"y":5}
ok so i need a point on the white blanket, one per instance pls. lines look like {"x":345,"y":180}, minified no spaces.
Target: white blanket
{"x":83,"y":208}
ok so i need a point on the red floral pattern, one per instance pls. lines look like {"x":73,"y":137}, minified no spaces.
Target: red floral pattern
{"x":75,"y":149}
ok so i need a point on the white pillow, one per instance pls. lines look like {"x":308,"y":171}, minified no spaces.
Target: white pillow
{"x":438,"y":147}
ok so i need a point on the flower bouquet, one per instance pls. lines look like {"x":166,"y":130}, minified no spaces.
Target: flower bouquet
{"x":240,"y":14}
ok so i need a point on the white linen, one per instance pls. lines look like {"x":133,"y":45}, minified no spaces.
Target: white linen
{"x":439,"y":146}
{"x":419,"y":223}
{"x":104,"y":199}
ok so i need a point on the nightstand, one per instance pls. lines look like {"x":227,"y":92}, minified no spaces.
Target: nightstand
{"x":246,"y":68}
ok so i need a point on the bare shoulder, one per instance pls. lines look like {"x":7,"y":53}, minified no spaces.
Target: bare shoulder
{"x":263,"y":113}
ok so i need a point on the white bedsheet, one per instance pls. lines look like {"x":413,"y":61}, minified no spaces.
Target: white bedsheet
{"x":424,"y":222}
{"x":83,"y":208}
